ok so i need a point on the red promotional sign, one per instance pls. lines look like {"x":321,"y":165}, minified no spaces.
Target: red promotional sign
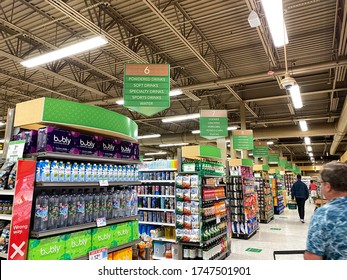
{"x":21,"y":211}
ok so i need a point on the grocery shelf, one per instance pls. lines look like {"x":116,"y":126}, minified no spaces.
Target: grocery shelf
{"x":214,"y":218}
{"x":45,"y":233}
{"x":154,"y":195}
{"x":214,"y":199}
{"x":162,"y":258}
{"x":157,"y":181}
{"x":215,"y":238}
{"x":155,"y":223}
{"x":3,"y":255}
{"x":113,"y":249}
{"x":7,"y":192}
{"x":7,"y":217}
{"x":157,"y":209}
{"x":213,"y":186}
{"x":163,"y":239}
{"x":81,"y":158}
{"x":221,"y":256}
{"x":83,"y":184}
{"x":158,"y":169}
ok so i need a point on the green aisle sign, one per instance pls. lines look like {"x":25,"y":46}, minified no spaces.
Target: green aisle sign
{"x":261,"y":149}
{"x":147,"y":88}
{"x":243,"y":140}
{"x":274,"y":156}
{"x":282,"y":162}
{"x":213,"y":124}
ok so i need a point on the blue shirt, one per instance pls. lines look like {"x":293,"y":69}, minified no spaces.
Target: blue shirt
{"x":327,"y":234}
{"x":300,"y":190}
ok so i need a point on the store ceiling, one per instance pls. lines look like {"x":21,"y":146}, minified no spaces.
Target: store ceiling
{"x":215,"y":56}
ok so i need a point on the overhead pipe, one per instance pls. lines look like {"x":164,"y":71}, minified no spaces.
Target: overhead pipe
{"x":258,"y":133}
{"x":341,"y":129}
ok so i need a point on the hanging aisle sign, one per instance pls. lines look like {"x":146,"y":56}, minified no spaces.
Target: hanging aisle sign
{"x":261,"y":149}
{"x":213,"y":124}
{"x":274,"y":156}
{"x":147,"y":88}
{"x":283,"y":162}
{"x":243,"y":140}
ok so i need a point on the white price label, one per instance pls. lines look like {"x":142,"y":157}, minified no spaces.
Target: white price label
{"x":103,"y":183}
{"x":98,"y":255}
{"x":101,"y":222}
{"x":189,"y":167}
{"x":218,"y":219}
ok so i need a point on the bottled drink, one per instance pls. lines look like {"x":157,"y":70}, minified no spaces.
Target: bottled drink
{"x":72,"y":202}
{"x":80,"y":208}
{"x":96,"y":205}
{"x":122,"y":200}
{"x":53,"y":210}
{"x":134,"y":204}
{"x":128,"y":196}
{"x":115,"y":204}
{"x":41,"y":213}
{"x":63,"y":210}
{"x":109,"y":205}
{"x":88,"y":207}
{"x":103,"y":202}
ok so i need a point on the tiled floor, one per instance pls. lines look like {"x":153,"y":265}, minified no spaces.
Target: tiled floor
{"x":287,"y":233}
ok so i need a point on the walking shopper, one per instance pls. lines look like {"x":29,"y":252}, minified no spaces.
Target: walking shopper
{"x":313,"y":191}
{"x":327,"y":234}
{"x":300,"y":193}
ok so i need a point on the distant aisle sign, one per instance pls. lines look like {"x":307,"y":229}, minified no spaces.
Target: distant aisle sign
{"x":213,"y":124}
{"x":283,"y":162}
{"x":147,"y":88}
{"x":274,"y":156}
{"x":243,"y":140}
{"x":261,"y":149}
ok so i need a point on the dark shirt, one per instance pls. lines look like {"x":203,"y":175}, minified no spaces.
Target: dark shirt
{"x":299,"y":190}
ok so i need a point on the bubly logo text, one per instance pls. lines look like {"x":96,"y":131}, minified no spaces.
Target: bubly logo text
{"x":63,"y":140}
{"x":52,"y":250}
{"x":80,"y":242}
{"x":125,"y":150}
{"x":87,"y":144}
{"x":108,"y":147}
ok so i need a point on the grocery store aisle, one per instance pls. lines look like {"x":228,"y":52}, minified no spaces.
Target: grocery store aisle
{"x":285,"y":232}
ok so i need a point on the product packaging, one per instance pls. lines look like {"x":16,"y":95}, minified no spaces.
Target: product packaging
{"x":52,"y":139}
{"x":85,"y":144}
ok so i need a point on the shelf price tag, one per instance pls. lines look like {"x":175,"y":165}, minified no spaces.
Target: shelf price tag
{"x":98,"y":255}
{"x":101,"y":222}
{"x":217,"y":219}
{"x":103,"y":183}
{"x":189,"y":167}
{"x":234,"y":173}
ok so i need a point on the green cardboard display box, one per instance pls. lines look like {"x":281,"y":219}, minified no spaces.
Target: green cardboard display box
{"x":122,"y":233}
{"x":52,"y":248}
{"x":102,"y":237}
{"x":78,"y":244}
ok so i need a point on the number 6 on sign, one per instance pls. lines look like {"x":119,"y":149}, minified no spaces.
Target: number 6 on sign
{"x":147,"y":71}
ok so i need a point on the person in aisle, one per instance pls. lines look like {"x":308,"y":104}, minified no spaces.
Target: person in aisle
{"x":313,"y":191}
{"x":300,"y":192}
{"x":327,"y":232}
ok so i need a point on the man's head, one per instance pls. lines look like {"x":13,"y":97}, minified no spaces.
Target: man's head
{"x":334,"y":179}
{"x":311,"y":181}
{"x":298,"y":176}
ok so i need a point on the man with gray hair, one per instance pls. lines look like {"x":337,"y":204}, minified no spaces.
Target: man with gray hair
{"x":327,"y":234}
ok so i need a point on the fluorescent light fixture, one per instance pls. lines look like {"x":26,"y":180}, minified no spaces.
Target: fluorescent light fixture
{"x":307,"y":140}
{"x":274,"y":16}
{"x":148,"y":136}
{"x":250,"y":154}
{"x":228,"y":145}
{"x":181,"y":118}
{"x":296,"y":96}
{"x":303,"y":125}
{"x":176,"y":92}
{"x":177,"y":144}
{"x":310,"y":154}
{"x":270,"y":142}
{"x":80,"y":47}
{"x":309,"y":148}
{"x":312,"y":159}
{"x":2,"y":140}
{"x":150,"y":158}
{"x":2,"y":123}
{"x":195,"y":131}
{"x":120,"y":102}
{"x":234,"y":127}
{"x":154,"y":154}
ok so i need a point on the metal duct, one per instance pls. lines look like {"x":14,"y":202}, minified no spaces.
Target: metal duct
{"x":341,"y":129}
{"x":258,"y":133}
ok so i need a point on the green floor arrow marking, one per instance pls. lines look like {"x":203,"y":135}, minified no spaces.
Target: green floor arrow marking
{"x":275,"y":228}
{"x":253,"y":250}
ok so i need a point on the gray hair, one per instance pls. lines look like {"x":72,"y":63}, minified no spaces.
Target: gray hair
{"x":335,"y":173}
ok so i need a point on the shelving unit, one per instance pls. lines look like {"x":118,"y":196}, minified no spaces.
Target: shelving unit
{"x":82,"y":185}
{"x":265,"y":199}
{"x":156,"y":198}
{"x":243,"y":200}
{"x":8,"y":194}
{"x":277,"y":188}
